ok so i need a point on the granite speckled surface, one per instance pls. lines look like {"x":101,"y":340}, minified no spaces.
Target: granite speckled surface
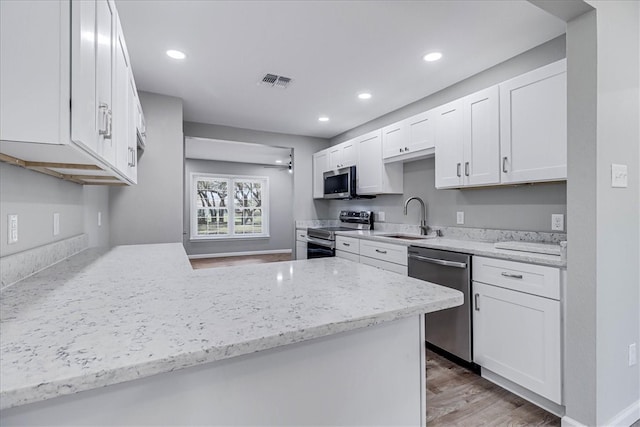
{"x":107,"y":316}
{"x":465,"y":246}
{"x":23,"y":264}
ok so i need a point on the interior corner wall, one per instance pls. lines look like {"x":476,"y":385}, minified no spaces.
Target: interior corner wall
{"x":151,"y":211}
{"x":603,"y":293}
{"x":304,"y":207}
{"x":281,"y":232}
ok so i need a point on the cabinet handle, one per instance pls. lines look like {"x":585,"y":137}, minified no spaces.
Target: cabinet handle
{"x":466,"y":168}
{"x":381,"y":252}
{"x":513,"y":276}
{"x":129,"y":154}
{"x":106,"y":120}
{"x":303,"y":235}
{"x":134,"y":156}
{"x":504,"y":164}
{"x":458,"y":169}
{"x":346,"y":244}
{"x":476,"y":298}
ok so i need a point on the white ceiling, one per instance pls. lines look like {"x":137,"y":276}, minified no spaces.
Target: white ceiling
{"x":231,"y":151}
{"x":331,"y":49}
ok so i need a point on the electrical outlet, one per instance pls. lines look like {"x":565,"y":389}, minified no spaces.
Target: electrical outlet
{"x":557,"y":222}
{"x":380,"y":216}
{"x":56,"y":223}
{"x":633,"y":354}
{"x":12,"y":229}
{"x":460,"y":217}
{"x":99,"y":218}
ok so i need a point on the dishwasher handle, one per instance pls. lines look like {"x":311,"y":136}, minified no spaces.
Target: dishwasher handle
{"x":454,"y":264}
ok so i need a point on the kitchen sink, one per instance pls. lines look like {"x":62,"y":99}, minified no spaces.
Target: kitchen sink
{"x":406,"y":236}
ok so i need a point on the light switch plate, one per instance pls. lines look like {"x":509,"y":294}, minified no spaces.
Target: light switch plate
{"x":618,"y":176}
{"x":460,"y":217}
{"x":99,"y":218}
{"x":380,"y":216}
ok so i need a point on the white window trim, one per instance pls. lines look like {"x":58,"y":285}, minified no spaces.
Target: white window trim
{"x":231,"y":236}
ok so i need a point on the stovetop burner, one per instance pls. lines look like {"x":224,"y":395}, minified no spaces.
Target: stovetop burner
{"x":352,"y":220}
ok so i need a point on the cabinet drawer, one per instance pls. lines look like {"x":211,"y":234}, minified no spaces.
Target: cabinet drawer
{"x":348,"y":244}
{"x":532,"y":279}
{"x":384,"y":251}
{"x":390,"y":266}
{"x":348,"y":255}
{"x":301,"y":235}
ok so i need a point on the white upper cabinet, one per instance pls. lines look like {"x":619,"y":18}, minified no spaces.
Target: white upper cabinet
{"x":481,"y":139}
{"x":373,"y":175}
{"x":449,"y":140}
{"x":409,"y":139}
{"x":320,"y":166}
{"x":343,"y":155}
{"x":77,"y":70}
{"x":30,"y":61}
{"x":533,"y":125}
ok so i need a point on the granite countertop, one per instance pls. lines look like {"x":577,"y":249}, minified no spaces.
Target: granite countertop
{"x":465,"y":246}
{"x":105,"y":316}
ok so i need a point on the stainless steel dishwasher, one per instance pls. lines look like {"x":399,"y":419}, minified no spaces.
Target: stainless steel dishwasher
{"x":450,"y":329}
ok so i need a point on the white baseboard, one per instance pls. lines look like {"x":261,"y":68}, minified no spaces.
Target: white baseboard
{"x":624,"y":418}
{"x":570,"y":422}
{"x":228,"y":254}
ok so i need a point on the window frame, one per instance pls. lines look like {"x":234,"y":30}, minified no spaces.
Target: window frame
{"x":231,"y":179}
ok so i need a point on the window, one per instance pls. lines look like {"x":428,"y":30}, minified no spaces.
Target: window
{"x":224,"y":206}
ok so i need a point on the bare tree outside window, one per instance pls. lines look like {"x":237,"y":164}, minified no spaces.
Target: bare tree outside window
{"x":214,"y":214}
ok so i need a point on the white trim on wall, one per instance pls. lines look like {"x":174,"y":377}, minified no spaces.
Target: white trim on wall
{"x":228,"y":254}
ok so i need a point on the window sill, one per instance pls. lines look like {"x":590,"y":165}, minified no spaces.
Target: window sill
{"x":227,"y":238}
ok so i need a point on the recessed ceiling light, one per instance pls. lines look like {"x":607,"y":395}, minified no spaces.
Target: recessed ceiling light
{"x":323,"y":119}
{"x":433,"y":56}
{"x":278,"y":161}
{"x":176,"y":54}
{"x":364,"y":95}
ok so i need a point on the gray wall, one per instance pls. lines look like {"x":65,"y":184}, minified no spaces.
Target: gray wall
{"x":525,"y":207}
{"x":35,"y":197}
{"x":603,"y":296}
{"x":151,"y":211}
{"x":280,"y":208}
{"x":304,"y":207}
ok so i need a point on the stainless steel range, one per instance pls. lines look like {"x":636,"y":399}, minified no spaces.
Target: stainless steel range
{"x":321,"y":241}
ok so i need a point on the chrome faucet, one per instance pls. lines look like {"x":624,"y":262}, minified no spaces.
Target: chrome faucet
{"x":423,"y":217}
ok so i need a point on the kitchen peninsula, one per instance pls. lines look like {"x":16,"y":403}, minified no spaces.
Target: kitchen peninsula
{"x":147,"y":340}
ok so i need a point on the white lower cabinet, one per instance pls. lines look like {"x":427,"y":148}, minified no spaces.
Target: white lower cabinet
{"x":301,"y":244}
{"x":517,"y":335}
{"x":381,"y":255}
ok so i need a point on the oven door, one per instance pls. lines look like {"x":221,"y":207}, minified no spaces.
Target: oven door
{"x":318,"y":248}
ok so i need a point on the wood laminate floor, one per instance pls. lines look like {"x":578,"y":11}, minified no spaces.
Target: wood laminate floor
{"x":238,"y":260}
{"x":458,"y":397}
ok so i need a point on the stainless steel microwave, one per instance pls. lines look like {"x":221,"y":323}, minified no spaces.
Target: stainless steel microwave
{"x":340,"y":183}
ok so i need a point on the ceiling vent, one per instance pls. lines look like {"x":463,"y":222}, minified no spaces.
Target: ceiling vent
{"x":275,"y":81}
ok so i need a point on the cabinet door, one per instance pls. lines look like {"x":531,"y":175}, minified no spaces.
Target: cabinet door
{"x":482,"y":138}
{"x":34,"y":71}
{"x":335,"y":157}
{"x":517,"y":336}
{"x":301,"y":250}
{"x":85,"y":120}
{"x":105,"y":53}
{"x":349,"y":154}
{"x":121,"y":109}
{"x":320,"y":166}
{"x":370,"y":167}
{"x":449,"y":135}
{"x":420,"y":132}
{"x":394,"y":138}
{"x":533,"y":125}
